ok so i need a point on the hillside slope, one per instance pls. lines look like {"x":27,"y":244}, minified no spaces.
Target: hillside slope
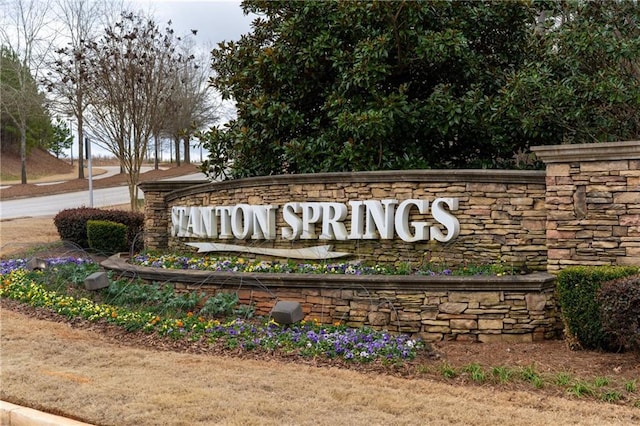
{"x":39,"y":163}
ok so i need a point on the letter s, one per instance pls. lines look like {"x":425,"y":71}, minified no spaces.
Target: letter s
{"x":441,"y":215}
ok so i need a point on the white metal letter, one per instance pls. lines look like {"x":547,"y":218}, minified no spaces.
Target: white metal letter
{"x":291,"y":218}
{"x":178,"y":221}
{"x":264,"y":222}
{"x":381,"y":218}
{"x":332,"y":216}
{"x":357,"y":220}
{"x":225,"y":221}
{"x":441,"y":215}
{"x":209,"y":224}
{"x":311,"y":214}
{"x":402,"y":221}
{"x":241,"y":221}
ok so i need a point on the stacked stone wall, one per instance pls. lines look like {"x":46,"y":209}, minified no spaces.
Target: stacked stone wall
{"x":593,"y":204}
{"x":519,"y":308}
{"x":483,"y":316}
{"x":501,"y":213}
{"x":585,"y":210}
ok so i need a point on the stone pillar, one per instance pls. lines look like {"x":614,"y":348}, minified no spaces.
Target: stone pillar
{"x":593,"y":203}
{"x":157,"y":216}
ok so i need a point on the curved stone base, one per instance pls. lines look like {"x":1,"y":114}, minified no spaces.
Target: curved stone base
{"x":518,"y":308}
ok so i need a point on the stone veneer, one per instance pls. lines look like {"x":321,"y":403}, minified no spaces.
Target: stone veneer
{"x":501,"y":213}
{"x":593,"y":204}
{"x":584,"y":211}
{"x":518,"y":308}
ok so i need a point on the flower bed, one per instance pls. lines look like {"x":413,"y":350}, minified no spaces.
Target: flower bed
{"x":480,"y":307}
{"x":238,"y":264}
{"x":308,"y":339}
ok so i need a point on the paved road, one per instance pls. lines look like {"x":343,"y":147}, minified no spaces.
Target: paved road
{"x":50,"y":205}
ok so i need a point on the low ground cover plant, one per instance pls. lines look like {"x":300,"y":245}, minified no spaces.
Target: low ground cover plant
{"x":159,"y":311}
{"x":239,"y":264}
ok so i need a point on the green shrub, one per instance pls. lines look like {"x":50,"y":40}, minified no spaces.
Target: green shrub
{"x":106,"y":237}
{"x":72,"y":224}
{"x":577,"y":292}
{"x":620,"y":312}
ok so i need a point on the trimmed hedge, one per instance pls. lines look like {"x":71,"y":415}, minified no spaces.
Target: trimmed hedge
{"x":107,"y":237}
{"x":577,"y":295}
{"x":620,"y":312}
{"x":72,"y":224}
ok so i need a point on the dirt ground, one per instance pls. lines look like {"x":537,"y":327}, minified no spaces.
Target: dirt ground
{"x":102,"y":375}
{"x":77,"y":371}
{"x":105,"y":376}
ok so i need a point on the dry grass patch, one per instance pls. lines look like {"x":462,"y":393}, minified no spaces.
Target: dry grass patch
{"x":53,"y":366}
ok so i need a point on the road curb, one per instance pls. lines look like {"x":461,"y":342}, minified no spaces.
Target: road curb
{"x":16,"y":415}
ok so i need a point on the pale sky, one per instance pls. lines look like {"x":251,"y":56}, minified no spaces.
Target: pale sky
{"x":215,"y":20}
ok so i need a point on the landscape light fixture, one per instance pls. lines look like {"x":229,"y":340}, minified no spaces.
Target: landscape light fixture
{"x":96,"y":281}
{"x":287,"y":312}
{"x":36,"y":264}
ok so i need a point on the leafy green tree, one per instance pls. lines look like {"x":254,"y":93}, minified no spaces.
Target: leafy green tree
{"x":61,"y":139}
{"x":22,"y":26}
{"x":584,"y":85}
{"x":19,"y":94}
{"x":342,"y":86}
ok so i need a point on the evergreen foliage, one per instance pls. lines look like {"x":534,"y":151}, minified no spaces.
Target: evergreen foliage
{"x":350,"y":86}
{"x":578,"y":288}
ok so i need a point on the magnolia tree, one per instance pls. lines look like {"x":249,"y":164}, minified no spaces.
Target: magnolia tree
{"x":344,"y":86}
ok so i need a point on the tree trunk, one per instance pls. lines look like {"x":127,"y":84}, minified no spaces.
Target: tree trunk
{"x":23,"y":150}
{"x":156,"y":141}
{"x":80,"y":147}
{"x":176,"y":141}
{"x":187,"y":150}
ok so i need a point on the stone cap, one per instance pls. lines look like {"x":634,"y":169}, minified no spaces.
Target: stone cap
{"x":602,"y":151}
{"x":537,"y":281}
{"x":381,"y":176}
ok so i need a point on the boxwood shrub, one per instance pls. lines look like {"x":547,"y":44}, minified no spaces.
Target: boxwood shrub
{"x":107,"y":237}
{"x":620,"y":312}
{"x":72,"y":224}
{"x":577,"y":295}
